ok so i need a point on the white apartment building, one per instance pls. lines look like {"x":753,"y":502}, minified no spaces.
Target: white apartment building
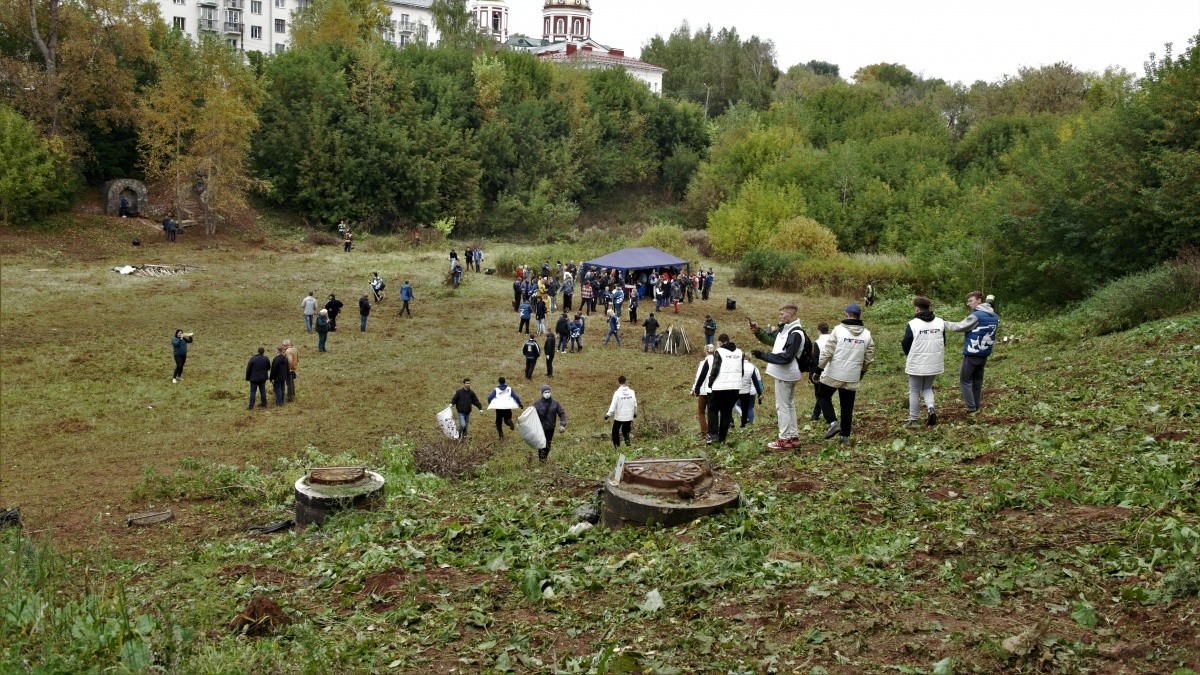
{"x":265,"y":25}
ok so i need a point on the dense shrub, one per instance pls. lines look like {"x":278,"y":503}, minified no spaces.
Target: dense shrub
{"x":835,"y":275}
{"x":1164,"y":291}
{"x":804,"y":235}
{"x":668,"y":238}
{"x":699,"y":240}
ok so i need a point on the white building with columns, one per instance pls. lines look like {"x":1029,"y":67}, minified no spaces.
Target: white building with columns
{"x":265,"y":25}
{"x":566,"y":38}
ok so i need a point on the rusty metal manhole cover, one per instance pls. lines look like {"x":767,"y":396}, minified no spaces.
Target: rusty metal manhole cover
{"x":337,"y":475}
{"x":664,"y":474}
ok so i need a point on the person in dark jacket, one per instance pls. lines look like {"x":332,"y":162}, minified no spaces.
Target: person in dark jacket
{"x":650,"y":337}
{"x":531,"y":351}
{"x":526,"y":311}
{"x":549,"y":411}
{"x":462,"y":401}
{"x":334,"y":306}
{"x":322,"y":329}
{"x":364,"y":309}
{"x":179,"y":347}
{"x":257,"y":371}
{"x":548,"y":349}
{"x":279,"y":375}
{"x":563,"y":329}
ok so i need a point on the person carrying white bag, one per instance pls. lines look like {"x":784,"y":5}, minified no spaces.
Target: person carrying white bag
{"x":503,"y":400}
{"x":548,"y":410}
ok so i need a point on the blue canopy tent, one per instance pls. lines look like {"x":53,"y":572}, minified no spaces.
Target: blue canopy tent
{"x":635,"y":260}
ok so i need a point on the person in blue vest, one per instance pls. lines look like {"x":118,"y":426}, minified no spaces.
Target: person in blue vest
{"x":980,"y":327}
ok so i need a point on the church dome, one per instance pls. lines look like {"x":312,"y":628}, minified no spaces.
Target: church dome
{"x":562,"y":4}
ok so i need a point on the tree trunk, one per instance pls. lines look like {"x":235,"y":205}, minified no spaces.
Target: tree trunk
{"x":49,"y":49}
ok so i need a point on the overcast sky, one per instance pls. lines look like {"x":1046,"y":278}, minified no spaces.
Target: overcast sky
{"x":959,"y":40}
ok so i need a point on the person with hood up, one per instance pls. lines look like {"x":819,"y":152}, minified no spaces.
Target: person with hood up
{"x":462,"y":401}
{"x":980,"y":326}
{"x":844,"y":360}
{"x":787,"y":342}
{"x":622,"y":409}
{"x":924,"y":346}
{"x":548,"y":411}
{"x":503,"y":400}
{"x":725,"y":384}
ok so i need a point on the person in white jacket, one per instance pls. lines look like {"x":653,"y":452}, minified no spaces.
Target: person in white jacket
{"x":622,"y":410}
{"x":924,"y":346}
{"x":700,"y":390}
{"x":844,"y":361}
{"x":725,"y":381}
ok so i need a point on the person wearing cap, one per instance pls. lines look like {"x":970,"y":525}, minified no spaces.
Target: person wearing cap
{"x":844,"y":361}
{"x":462,"y":401}
{"x":980,"y":326}
{"x":322,"y":329}
{"x":549,"y":411}
{"x":503,"y":400}
{"x":622,"y":409}
{"x":787,"y":341}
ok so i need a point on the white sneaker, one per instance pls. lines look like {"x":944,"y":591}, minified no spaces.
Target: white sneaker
{"x":174,"y":381}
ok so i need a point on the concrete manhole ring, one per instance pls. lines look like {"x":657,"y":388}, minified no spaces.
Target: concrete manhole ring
{"x":665,"y":474}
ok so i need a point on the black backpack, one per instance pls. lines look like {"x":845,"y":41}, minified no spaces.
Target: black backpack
{"x":806,"y":356}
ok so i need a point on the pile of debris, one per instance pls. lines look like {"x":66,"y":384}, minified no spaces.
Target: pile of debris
{"x":155,"y":270}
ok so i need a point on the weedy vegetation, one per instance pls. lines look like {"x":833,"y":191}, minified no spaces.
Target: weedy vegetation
{"x":1058,"y":530}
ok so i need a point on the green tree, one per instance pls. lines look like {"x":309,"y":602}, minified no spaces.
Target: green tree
{"x":195,"y":127}
{"x":30,"y":170}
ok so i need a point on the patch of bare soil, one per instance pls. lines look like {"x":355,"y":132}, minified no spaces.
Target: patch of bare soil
{"x":424,"y":586}
{"x":260,"y":618}
{"x":262,"y":575}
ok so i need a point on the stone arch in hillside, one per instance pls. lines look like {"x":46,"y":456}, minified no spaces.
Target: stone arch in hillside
{"x":133,"y":190}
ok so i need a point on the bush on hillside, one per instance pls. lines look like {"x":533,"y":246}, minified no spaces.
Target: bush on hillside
{"x":804,"y":235}
{"x":1161,"y":292}
{"x":838,"y":274}
{"x":667,"y":238}
{"x":700,"y":241}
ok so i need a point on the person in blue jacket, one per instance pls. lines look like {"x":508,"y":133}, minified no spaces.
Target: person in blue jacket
{"x":980,"y":327}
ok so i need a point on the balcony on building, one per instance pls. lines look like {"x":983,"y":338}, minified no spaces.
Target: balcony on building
{"x":235,"y":4}
{"x":406,"y":26}
{"x":208,"y":3}
{"x":233,"y":27}
{"x":207,"y":24}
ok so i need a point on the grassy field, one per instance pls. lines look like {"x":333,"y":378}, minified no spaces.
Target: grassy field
{"x":1057,"y":531}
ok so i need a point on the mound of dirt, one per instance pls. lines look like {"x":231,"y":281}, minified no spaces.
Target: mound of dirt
{"x":261,"y":617}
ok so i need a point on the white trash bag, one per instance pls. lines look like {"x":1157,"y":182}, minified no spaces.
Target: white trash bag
{"x":447,"y":422}
{"x":529,"y":425}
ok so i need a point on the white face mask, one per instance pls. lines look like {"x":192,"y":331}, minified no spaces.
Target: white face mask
{"x":546,"y":395}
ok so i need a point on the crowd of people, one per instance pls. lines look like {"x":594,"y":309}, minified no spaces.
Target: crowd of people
{"x":728,"y":384}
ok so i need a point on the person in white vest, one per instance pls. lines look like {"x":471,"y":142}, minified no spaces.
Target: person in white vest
{"x":786,"y":342}
{"x":725,"y":382}
{"x":622,"y":409}
{"x":503,"y":400}
{"x":700,"y":390}
{"x":844,"y":361}
{"x":924,"y":346}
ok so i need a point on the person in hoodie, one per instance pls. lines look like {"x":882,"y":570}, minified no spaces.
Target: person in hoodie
{"x":622,"y":410}
{"x":548,"y":411}
{"x":725,"y":382}
{"x":700,"y":390}
{"x":532,"y":352}
{"x":503,"y":400}
{"x":924,"y":346}
{"x":844,"y":360}
{"x":786,"y":341}
{"x":752,"y":388}
{"x":980,"y":327}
